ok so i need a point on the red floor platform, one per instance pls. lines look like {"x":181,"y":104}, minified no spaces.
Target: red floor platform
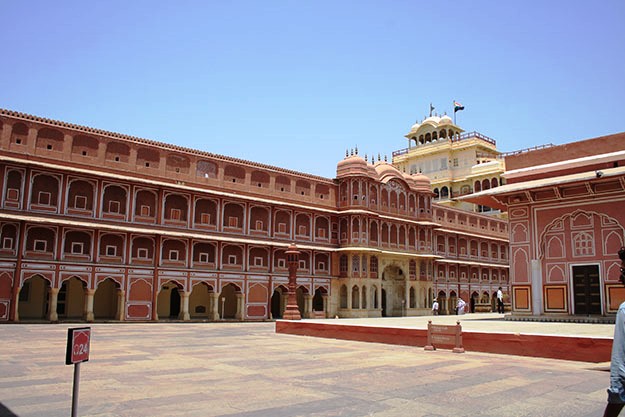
{"x":566,"y":347}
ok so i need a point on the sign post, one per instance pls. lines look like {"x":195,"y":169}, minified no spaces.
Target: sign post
{"x":78,"y":341}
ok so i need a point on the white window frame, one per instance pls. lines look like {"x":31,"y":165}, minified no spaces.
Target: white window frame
{"x":111,"y":250}
{"x":43,"y":245}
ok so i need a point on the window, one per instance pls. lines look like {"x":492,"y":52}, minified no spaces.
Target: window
{"x":455,"y":163}
{"x":44,"y":198}
{"x":173,"y":255}
{"x":80,"y":202}
{"x":233,"y":221}
{"x":302,"y":264}
{"x":281,"y":263}
{"x":40,"y":245}
{"x":142,"y":253}
{"x":232,"y":259}
{"x":77,"y":248}
{"x":114,"y":207}
{"x":259,"y":225}
{"x":174,"y":214}
{"x":203,"y":257}
{"x":13,"y":194}
{"x":145,"y":211}
{"x":111,"y":250}
{"x":321,"y":266}
{"x":321,"y":233}
{"x":258,"y":261}
{"x":583,"y":244}
{"x":281,"y":227}
{"x":7,"y":243}
{"x":302,"y":230}
{"x":205,"y":218}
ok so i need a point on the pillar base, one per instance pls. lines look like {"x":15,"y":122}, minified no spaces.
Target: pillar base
{"x":291,"y":313}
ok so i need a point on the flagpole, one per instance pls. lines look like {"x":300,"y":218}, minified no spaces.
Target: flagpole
{"x":453,"y":104}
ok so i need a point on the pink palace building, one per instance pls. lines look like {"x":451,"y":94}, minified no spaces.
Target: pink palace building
{"x":96,"y":225}
{"x":566,"y":207}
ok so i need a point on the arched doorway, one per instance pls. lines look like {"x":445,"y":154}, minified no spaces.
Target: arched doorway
{"x":393,"y":291}
{"x":105,"y":300}
{"x":277,"y":302}
{"x":475,"y":298}
{"x":168,"y":300}
{"x":71,"y":299}
{"x":451,"y":305}
{"x":199,"y":301}
{"x":33,"y":299}
{"x":442,"y":302}
{"x":228,"y":302}
{"x":318,"y":299}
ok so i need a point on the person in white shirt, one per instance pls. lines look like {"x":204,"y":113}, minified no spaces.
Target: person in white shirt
{"x":435,"y":307}
{"x":499,"y":301}
{"x":616,"y":392}
{"x":460,"y":306}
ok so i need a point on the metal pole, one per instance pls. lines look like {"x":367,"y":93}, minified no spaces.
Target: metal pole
{"x":75,"y":390}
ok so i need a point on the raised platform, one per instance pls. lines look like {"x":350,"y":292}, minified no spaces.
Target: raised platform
{"x":489,"y":333}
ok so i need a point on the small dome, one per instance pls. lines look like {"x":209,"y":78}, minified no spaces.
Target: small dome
{"x":354,"y":165}
{"x":421,"y":182}
{"x":445,"y":120}
{"x":435,"y":120}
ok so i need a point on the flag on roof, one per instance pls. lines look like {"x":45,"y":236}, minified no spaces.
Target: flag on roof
{"x":458,"y":106}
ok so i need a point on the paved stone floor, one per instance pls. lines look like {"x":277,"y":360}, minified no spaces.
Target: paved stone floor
{"x":246,"y":370}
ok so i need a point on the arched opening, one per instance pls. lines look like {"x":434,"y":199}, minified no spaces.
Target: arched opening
{"x":475,"y":298}
{"x":384,"y":303}
{"x":451,"y":304}
{"x":168,"y":300}
{"x":393,"y":291}
{"x":278,"y":301}
{"x":71,"y":299}
{"x":105,"y":300}
{"x":413,"y":298}
{"x":355,"y":297}
{"x":199,"y":301}
{"x":33,"y":299}
{"x":318,"y":299}
{"x":343,"y":297}
{"x":442,"y":302}
{"x":374,"y":297}
{"x":228,"y":302}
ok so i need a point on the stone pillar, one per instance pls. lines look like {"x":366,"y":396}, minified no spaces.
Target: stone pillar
{"x":324,"y":297}
{"x":53,"y":297}
{"x":121,"y":305}
{"x":213,"y":306}
{"x":308,"y":305}
{"x":537,"y":288}
{"x":89,"y":305}
{"x":349,"y":297}
{"x":292,"y":310}
{"x":240,"y":307}
{"x":184,"y":312}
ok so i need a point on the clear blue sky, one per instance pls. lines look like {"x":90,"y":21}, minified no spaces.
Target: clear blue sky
{"x":296,"y":83}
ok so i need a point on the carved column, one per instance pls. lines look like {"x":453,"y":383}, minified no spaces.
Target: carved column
{"x":292,"y":311}
{"x":89,"y":305}
{"x":184,"y":313}
{"x":121,"y":305}
{"x":213,"y":306}
{"x":53,"y":297}
{"x":240,"y":307}
{"x":308,"y":306}
{"x":324,"y":297}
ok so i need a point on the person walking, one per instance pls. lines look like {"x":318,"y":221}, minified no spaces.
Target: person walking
{"x":435,"y":307}
{"x":460,"y":306}
{"x":616,"y":392}
{"x":499,"y":301}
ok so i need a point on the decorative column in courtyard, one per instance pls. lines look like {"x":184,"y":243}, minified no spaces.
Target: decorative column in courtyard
{"x":292,"y":259}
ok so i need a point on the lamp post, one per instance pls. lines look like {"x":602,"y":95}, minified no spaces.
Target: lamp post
{"x":223,"y":308}
{"x":292,"y":310}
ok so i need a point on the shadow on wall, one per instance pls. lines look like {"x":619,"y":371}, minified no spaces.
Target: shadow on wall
{"x":5,"y":412}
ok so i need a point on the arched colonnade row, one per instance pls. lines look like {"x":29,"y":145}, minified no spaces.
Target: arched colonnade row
{"x":477,"y":300}
{"x":99,"y":148}
{"x":393,"y":197}
{"x":73,"y":300}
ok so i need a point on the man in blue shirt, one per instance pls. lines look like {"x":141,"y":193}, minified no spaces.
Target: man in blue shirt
{"x":616,"y":392}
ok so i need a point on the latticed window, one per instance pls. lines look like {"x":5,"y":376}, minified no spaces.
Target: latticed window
{"x":583,"y":244}
{"x":373,"y":264}
{"x":412,"y":268}
{"x":343,"y":264}
{"x":356,"y":263}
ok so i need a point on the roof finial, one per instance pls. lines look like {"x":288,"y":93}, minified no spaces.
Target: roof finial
{"x":352,"y":152}
{"x":356,"y":149}
{"x":346,"y":152}
{"x":431,"y":109}
{"x":366,"y":160}
{"x":378,"y":156}
{"x":385,"y":158}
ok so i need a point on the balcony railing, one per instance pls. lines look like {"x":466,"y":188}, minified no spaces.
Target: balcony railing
{"x":455,"y":138}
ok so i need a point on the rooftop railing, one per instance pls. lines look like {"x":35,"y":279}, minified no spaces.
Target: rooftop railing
{"x":453,"y":139}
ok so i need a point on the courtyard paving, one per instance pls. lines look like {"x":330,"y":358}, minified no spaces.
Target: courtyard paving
{"x":247,"y":370}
